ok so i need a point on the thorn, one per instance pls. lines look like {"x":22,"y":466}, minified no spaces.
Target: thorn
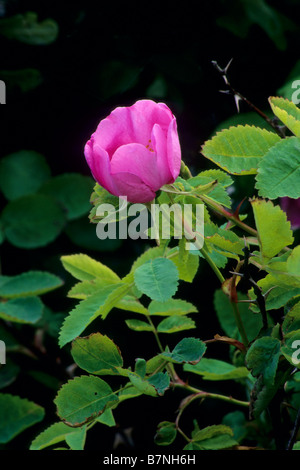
{"x":237,"y":274}
{"x":237,"y":100}
{"x":265,"y":295}
{"x":226,"y":92}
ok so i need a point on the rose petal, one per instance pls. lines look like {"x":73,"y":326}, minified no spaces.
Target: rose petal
{"x":174,"y":150}
{"x":159,"y":143}
{"x":133,"y":188}
{"x":98,"y":161}
{"x":139,"y":161}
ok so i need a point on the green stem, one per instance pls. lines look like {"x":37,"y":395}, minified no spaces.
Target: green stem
{"x":169,"y":366}
{"x":216,"y":396}
{"x":239,"y":323}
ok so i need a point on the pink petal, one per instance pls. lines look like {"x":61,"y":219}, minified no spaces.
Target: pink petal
{"x":138,"y":160}
{"x":174,"y":150}
{"x":159,"y":143}
{"x":133,"y":188}
{"x":99,"y":163}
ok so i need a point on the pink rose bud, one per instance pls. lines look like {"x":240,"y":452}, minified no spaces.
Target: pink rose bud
{"x":135,"y":151}
{"x":292,"y":209}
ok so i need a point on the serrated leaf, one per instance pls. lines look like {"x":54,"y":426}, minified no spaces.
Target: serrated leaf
{"x":274,"y":230}
{"x":97,"y":354}
{"x":211,"y":431}
{"x":262,"y":358}
{"x":187,"y":350}
{"x":22,"y":310}
{"x":82,"y":399}
{"x":157,"y":278}
{"x":171,"y":307}
{"x":239,"y":150}
{"x":142,"y":385}
{"x":87,"y":310}
{"x":214,"y":369}
{"x":27,"y":284}
{"x":54,"y":434}
{"x":287,"y":112}
{"x":279,"y":170}
{"x":174,"y":324}
{"x":83,"y":267}
{"x":16,"y":415}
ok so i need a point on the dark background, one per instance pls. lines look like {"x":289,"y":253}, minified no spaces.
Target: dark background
{"x":109,"y":54}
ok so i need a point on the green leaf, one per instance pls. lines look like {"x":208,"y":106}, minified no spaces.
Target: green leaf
{"x":55,"y":433}
{"x":107,"y":418}
{"x":287,"y":112}
{"x":142,"y":385}
{"x":274,"y":230}
{"x":138,"y":325}
{"x":278,"y":296}
{"x":218,"y":192}
{"x":187,"y":350}
{"x":213,"y":369}
{"x":166,"y":433}
{"x":82,"y":399}
{"x":83,"y":267}
{"x":25,"y":28}
{"x":262,"y":358}
{"x":87,"y":310}
{"x":22,"y":173}
{"x":239,"y":150}
{"x":279,"y":170}
{"x":76,"y":440}
{"x":72,"y":191}
{"x":30,"y":284}
{"x":16,"y":415}
{"x":171,"y":307}
{"x":157,"y":278}
{"x":22,"y":310}
{"x":32,"y":221}
{"x":186,"y":262}
{"x":9,"y":373}
{"x":97,"y":354}
{"x":223,"y":441}
{"x":160,"y":381}
{"x":174,"y":324}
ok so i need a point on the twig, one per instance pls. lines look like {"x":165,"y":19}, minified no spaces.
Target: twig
{"x":239,"y":97}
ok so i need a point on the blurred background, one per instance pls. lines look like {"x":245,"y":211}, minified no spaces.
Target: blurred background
{"x":66,"y":65}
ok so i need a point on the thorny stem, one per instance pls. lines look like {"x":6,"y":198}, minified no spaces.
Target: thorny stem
{"x":238,"y":96}
{"x":228,"y":215}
